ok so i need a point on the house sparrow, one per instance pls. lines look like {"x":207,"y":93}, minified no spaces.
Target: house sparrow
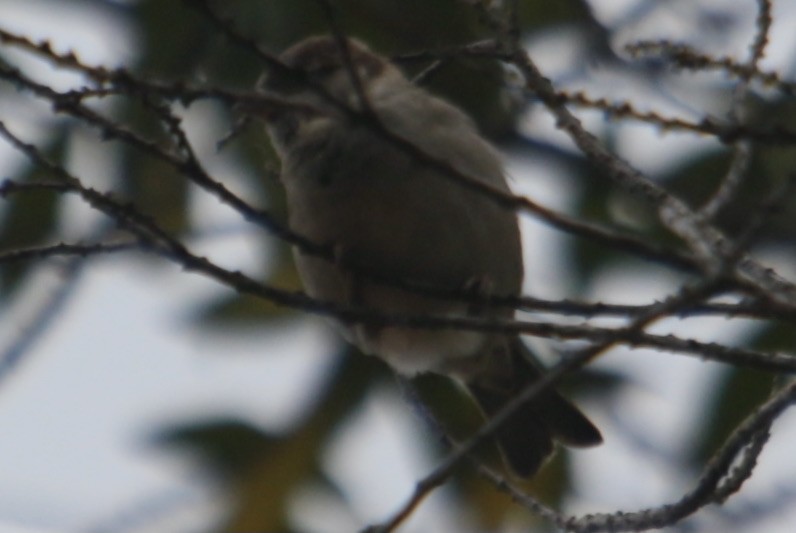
{"x":385,"y":211}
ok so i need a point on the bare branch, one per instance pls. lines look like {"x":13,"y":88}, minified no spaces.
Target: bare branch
{"x":738,"y":172}
{"x":752,"y":432}
{"x":685,"y":57}
{"x":64,"y":249}
{"x":723,"y":131}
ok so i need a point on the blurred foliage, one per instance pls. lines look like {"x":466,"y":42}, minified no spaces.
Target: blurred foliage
{"x":260,"y":469}
{"x":28,"y":220}
{"x":737,"y":393}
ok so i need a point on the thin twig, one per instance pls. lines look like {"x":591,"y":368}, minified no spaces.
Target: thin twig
{"x":723,"y":131}
{"x":65,"y":249}
{"x":685,"y":57}
{"x":738,"y":172}
{"x":428,"y":483}
{"x":159,"y":241}
{"x":707,"y":487}
{"x":707,"y":243}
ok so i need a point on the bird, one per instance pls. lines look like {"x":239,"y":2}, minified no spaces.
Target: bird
{"x":396,"y":214}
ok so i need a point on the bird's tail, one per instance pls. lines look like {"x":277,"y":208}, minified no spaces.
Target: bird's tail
{"x":526,"y":438}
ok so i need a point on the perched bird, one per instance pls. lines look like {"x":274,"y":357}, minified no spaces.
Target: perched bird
{"x":386,"y":211}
